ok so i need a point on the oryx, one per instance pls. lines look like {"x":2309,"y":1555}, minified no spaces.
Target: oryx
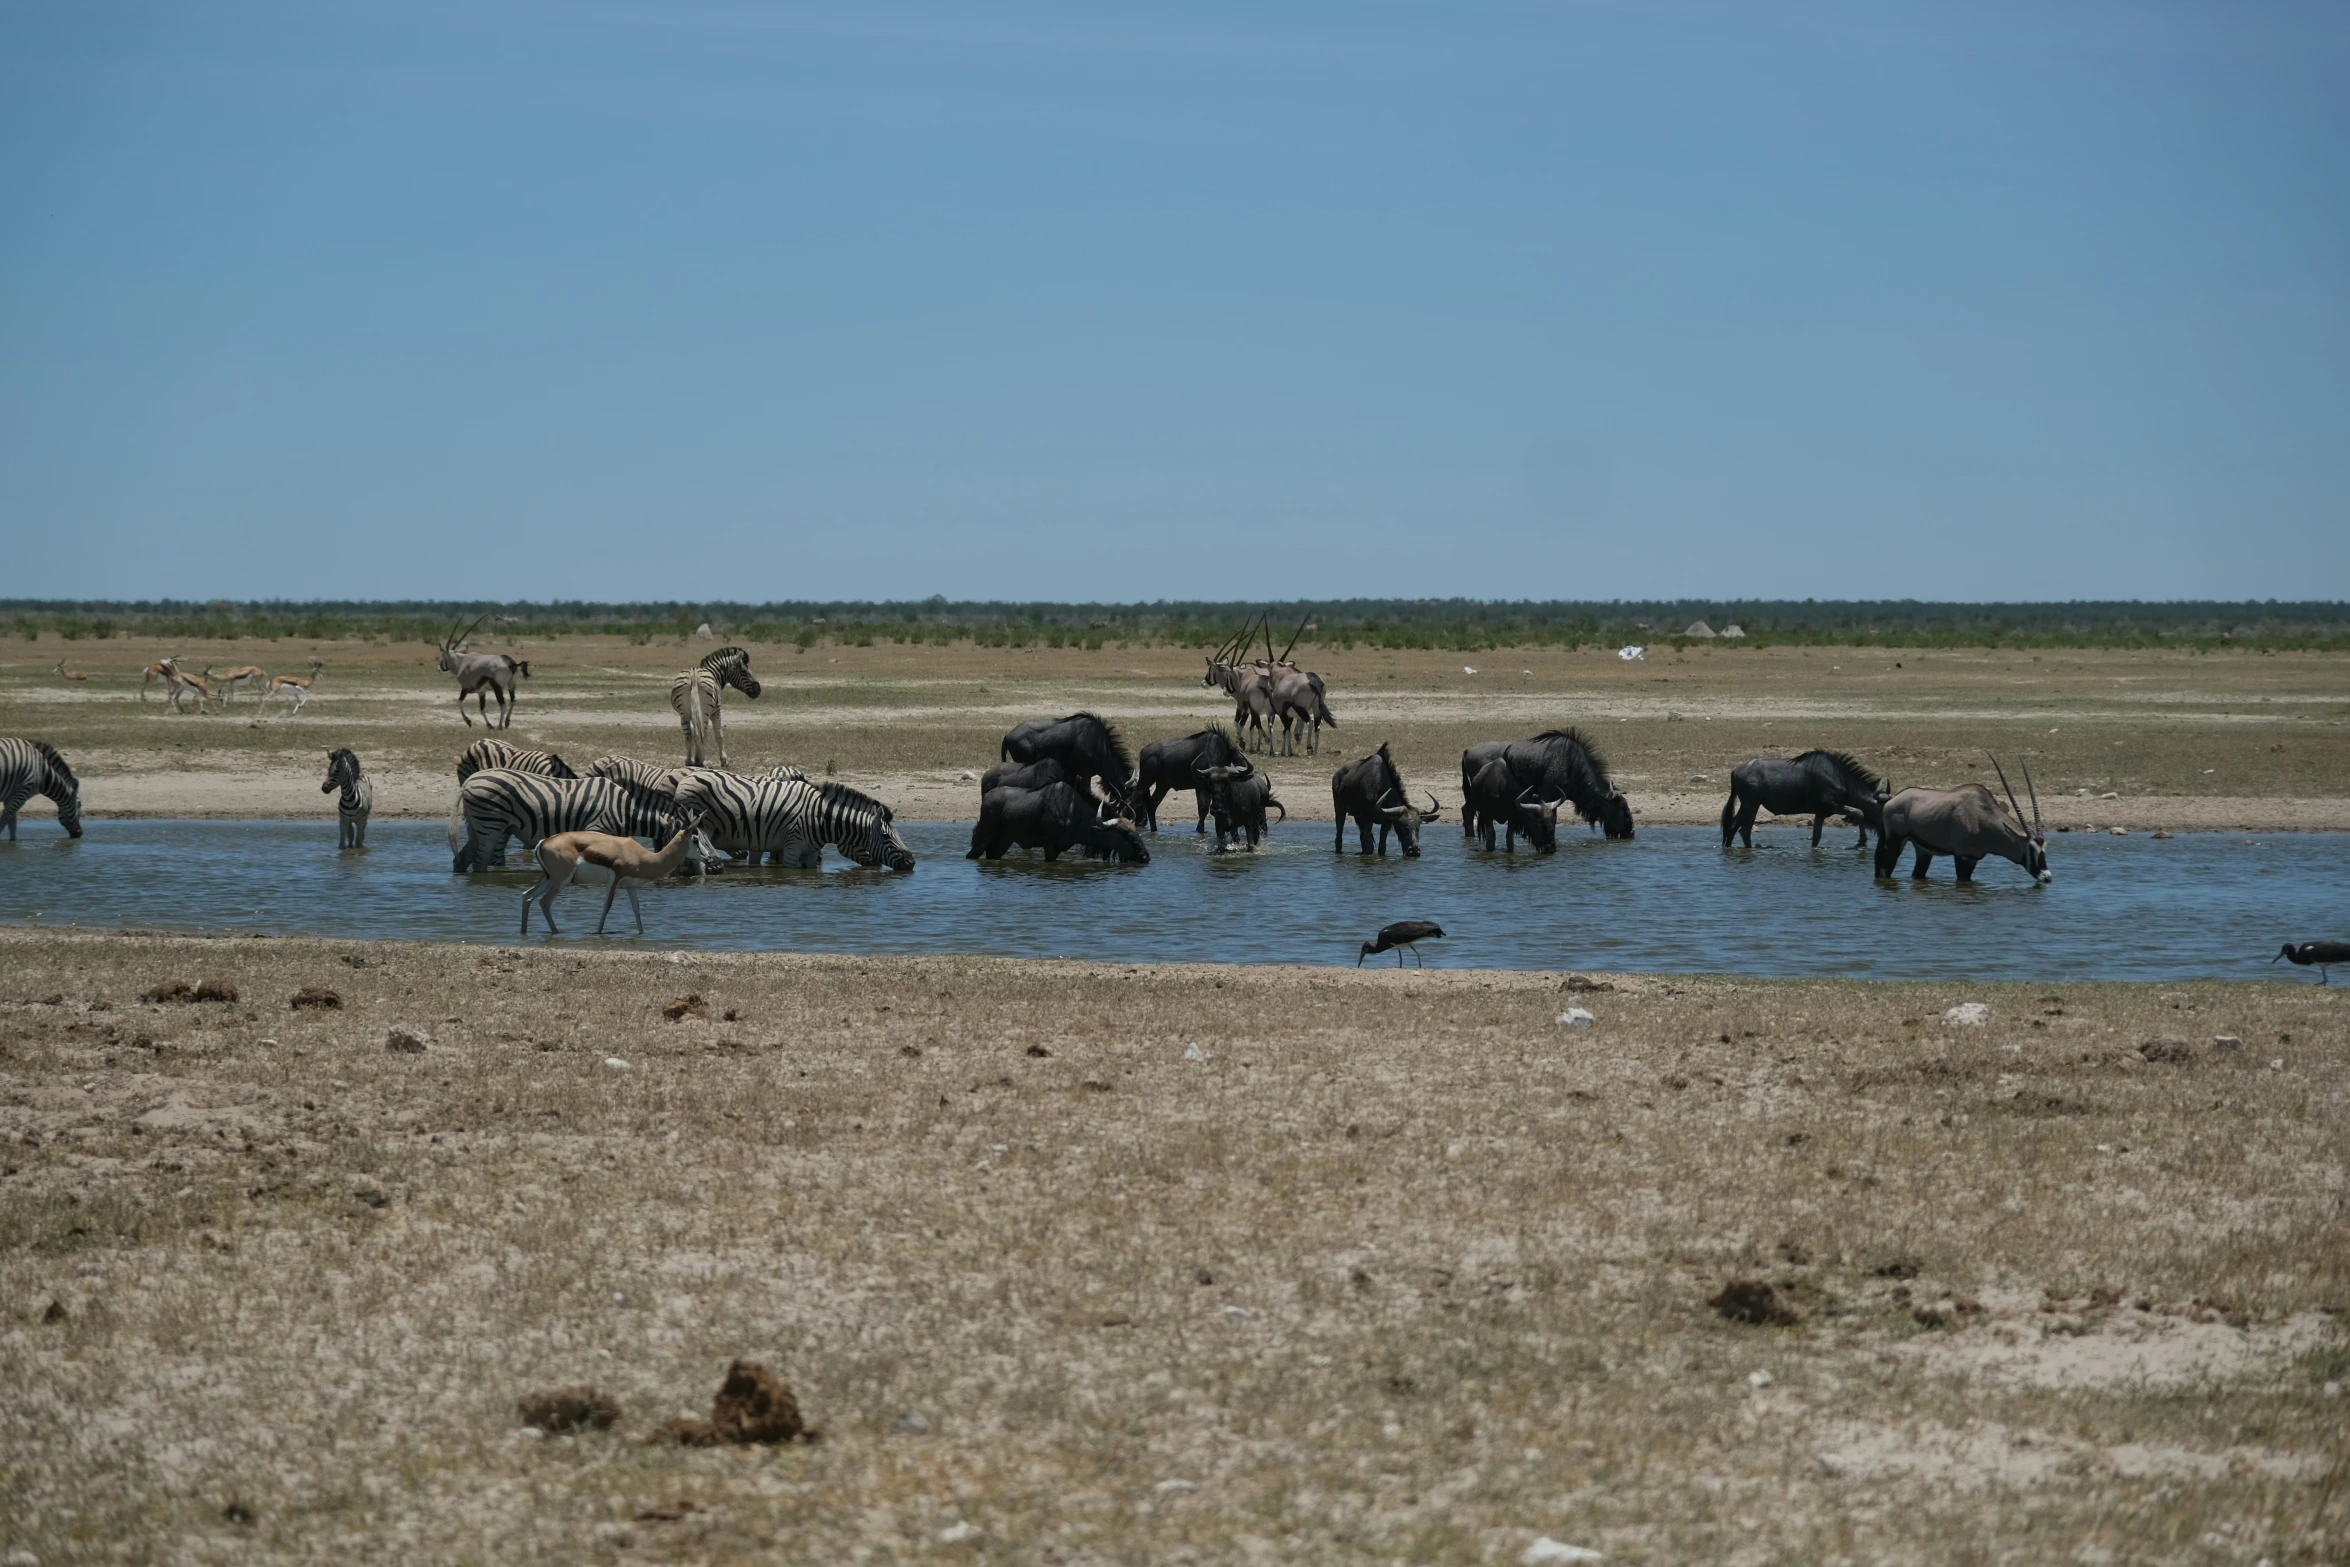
{"x":482,"y":675}
{"x":1967,"y":824}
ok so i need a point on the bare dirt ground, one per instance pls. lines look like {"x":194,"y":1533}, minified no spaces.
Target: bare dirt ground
{"x":1089,"y":1264}
{"x":2180,"y":740}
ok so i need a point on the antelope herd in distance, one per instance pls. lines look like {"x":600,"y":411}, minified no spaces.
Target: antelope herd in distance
{"x":1061,"y":786}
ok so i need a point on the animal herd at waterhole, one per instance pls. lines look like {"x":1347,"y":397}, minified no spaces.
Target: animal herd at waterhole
{"x":1065,"y":786}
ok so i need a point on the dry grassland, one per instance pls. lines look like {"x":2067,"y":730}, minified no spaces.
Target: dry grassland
{"x":2184,"y":740}
{"x":1400,"y":1271}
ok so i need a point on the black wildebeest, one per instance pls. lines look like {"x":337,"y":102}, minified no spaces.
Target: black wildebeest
{"x":1494,"y":797}
{"x":1056,"y":820}
{"x":481,"y":676}
{"x":1398,"y":936}
{"x":1965,"y":823}
{"x":2320,"y":953}
{"x":1818,"y":784}
{"x":1026,"y":775}
{"x":1082,"y":743}
{"x":1167,"y":766}
{"x":1370,"y":793}
{"x":1238,"y":796}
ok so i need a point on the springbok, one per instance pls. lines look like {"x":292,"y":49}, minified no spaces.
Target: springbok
{"x":228,"y":680}
{"x":63,"y":673}
{"x":160,"y":670}
{"x":597,"y":856}
{"x":295,"y":686}
{"x":182,"y":683}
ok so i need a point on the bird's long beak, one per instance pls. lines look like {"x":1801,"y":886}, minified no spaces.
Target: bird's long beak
{"x":2279,"y":958}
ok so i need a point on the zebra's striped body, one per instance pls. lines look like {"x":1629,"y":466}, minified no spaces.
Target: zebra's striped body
{"x":694,"y":694}
{"x":498,"y":803}
{"x":789,"y":820}
{"x":30,"y":767}
{"x":358,"y":799}
{"x":636,"y":770}
{"x":485,"y":754}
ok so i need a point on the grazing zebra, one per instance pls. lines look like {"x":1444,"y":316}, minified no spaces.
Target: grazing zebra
{"x":635,"y":770}
{"x":30,"y":767}
{"x":358,"y":801}
{"x":789,"y":820}
{"x":695,"y":696}
{"x":485,"y":754}
{"x":499,"y":803}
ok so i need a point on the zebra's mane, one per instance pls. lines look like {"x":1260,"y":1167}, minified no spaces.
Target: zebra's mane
{"x":1844,"y":760}
{"x":338,"y":755}
{"x":57,"y":767}
{"x":1110,"y":733}
{"x":718,"y":662}
{"x":836,"y":793}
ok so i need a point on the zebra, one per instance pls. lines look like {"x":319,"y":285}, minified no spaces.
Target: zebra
{"x":635,"y":770}
{"x":694,"y":694}
{"x":485,"y":754}
{"x":498,"y":803}
{"x":789,"y":820}
{"x":30,"y":767}
{"x":358,"y":801}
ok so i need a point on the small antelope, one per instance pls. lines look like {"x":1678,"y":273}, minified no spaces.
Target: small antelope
{"x":229,"y":679}
{"x":182,"y":683}
{"x":597,"y":856}
{"x":162,"y":669}
{"x":358,"y":801}
{"x":294,"y":686}
{"x":63,"y":673}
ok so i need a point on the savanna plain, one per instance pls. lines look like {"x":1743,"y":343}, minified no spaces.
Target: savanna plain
{"x":1108,"y":1264}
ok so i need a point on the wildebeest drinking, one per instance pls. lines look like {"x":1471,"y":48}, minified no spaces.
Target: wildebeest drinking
{"x":1238,"y":796}
{"x":1055,"y":819}
{"x":1556,"y":767}
{"x":1818,"y":784}
{"x":1370,"y":794}
{"x":1082,"y":743}
{"x":1167,"y":765}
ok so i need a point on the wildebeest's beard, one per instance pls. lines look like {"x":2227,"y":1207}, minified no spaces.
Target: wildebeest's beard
{"x":1615,"y":817}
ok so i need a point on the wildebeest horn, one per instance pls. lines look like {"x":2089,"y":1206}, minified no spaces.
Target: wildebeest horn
{"x":1200,"y":768}
{"x":1433,"y":806}
{"x":2035,"y":794}
{"x":2010,"y":788}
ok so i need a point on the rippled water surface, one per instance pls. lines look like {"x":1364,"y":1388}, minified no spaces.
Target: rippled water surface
{"x":2200,"y":904}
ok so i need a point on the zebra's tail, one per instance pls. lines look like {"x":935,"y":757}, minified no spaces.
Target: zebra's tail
{"x":697,"y":726}
{"x":457,"y":833}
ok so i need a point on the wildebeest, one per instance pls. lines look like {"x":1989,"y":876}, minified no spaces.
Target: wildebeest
{"x":1167,"y":766}
{"x":1370,"y":794}
{"x":1558,"y":766}
{"x":481,"y":676}
{"x":1494,"y":795}
{"x":1054,"y":819}
{"x":1238,"y":796}
{"x":1082,"y":743}
{"x":1818,"y":784}
{"x":1026,"y":775}
{"x":1965,"y":823}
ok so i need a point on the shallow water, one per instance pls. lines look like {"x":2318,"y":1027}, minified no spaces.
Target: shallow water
{"x":1672,"y":900}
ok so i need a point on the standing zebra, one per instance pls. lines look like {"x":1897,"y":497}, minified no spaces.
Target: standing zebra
{"x":496,"y":804}
{"x":358,"y":801}
{"x":485,"y":754}
{"x":30,"y":767}
{"x":789,"y":820}
{"x":694,"y":694}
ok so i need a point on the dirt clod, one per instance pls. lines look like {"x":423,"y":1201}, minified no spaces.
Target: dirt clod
{"x":1585,"y":982}
{"x":56,"y":1312}
{"x":1038,"y":1052}
{"x":181,"y":990}
{"x":1754,"y":1301}
{"x":568,"y":1409}
{"x":407,"y":1041}
{"x":753,"y":1406}
{"x":237,"y":1513}
{"x":2170,"y":1047}
{"x":316,"y":996}
{"x":688,"y":1005}
{"x":1897,"y":1268}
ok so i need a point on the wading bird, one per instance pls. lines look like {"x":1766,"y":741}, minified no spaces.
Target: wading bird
{"x":1401,"y":934}
{"x":2318,"y":953}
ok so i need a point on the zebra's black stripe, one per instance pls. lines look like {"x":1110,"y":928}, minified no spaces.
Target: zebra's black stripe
{"x":30,"y":767}
{"x":500,"y":803}
{"x":485,"y":754}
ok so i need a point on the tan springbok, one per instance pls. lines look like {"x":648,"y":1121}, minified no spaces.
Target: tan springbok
{"x":63,"y":673}
{"x":182,"y":683}
{"x":160,"y":670}
{"x":227,"y":681}
{"x":294,"y":686}
{"x":599,"y":856}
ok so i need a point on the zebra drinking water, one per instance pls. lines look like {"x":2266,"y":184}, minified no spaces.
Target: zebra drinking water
{"x":694,"y":694}
{"x":789,"y":820}
{"x":485,"y":754}
{"x":30,"y":767}
{"x":499,"y":803}
{"x":358,"y":801}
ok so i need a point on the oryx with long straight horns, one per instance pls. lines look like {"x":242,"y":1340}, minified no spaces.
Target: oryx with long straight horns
{"x":482,"y":676}
{"x":1249,"y":685}
{"x":1967,"y":824}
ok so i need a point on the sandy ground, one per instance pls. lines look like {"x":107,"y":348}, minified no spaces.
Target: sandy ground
{"x":1086,"y":1264}
{"x":2137,"y":740}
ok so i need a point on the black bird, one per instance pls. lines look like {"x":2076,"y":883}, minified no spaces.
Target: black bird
{"x":1402,"y":934}
{"x":2320,"y":953}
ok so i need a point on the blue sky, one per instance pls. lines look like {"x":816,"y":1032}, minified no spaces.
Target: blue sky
{"x":685,"y":301}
